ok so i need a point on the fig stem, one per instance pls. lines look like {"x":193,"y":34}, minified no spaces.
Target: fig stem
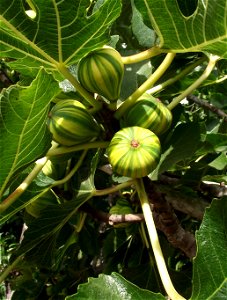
{"x":145,"y":86}
{"x":135,"y":58}
{"x":40,"y":163}
{"x":64,"y":150}
{"x":210,"y":66}
{"x":113,"y":189}
{"x":160,"y":261}
{"x":187,"y":70}
{"x":10,"y":268}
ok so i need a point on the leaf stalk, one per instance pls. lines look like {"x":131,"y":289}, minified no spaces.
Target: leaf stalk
{"x":40,"y":163}
{"x":211,"y":64}
{"x":145,"y":86}
{"x":114,"y":189}
{"x":172,"y":80}
{"x":64,"y":150}
{"x":148,"y":216}
{"x":135,"y":58}
{"x":10,"y":268}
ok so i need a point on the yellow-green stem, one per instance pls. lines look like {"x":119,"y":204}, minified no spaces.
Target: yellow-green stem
{"x":63,"y":150}
{"x":80,"y":224}
{"x":84,"y":93}
{"x":24,"y":185}
{"x":135,"y":58}
{"x":145,"y":86}
{"x":72,"y":172}
{"x":10,"y":268}
{"x":170,"y":81}
{"x":211,"y":64}
{"x":56,"y":183}
{"x":160,"y":261}
{"x":113,"y":189}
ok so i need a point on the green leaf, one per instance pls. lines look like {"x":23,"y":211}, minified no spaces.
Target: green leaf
{"x":210,"y":264}
{"x":220,"y":162}
{"x":41,"y":236}
{"x":84,"y":178}
{"x":221,"y":292}
{"x":39,"y":243}
{"x":145,"y":36}
{"x":36,"y":189}
{"x":218,"y":141}
{"x":24,"y":136}
{"x":112,"y":286}
{"x":61,"y":32}
{"x":182,"y":145}
{"x":204,"y":30}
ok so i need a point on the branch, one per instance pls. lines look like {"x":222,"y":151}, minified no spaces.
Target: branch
{"x":194,"y":206}
{"x":214,"y":189}
{"x":168,"y":222}
{"x":209,"y":106}
{"x":111,"y":219}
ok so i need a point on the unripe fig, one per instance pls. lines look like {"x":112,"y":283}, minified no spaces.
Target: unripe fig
{"x":101,"y":72}
{"x":70,"y":123}
{"x":149,"y":112}
{"x":134,"y":152}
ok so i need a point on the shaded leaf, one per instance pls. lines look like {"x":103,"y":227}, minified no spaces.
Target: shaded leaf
{"x":210,"y":264}
{"x":219,"y":163}
{"x":112,"y":286}
{"x":204,"y":30}
{"x":221,"y":292}
{"x":84,"y":178}
{"x":45,"y":230}
{"x":39,"y":243}
{"x":145,"y":36}
{"x":60,"y":32}
{"x":24,"y":136}
{"x":182,"y":146}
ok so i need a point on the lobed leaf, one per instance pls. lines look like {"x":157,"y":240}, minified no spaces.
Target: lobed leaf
{"x":61,"y":32}
{"x":204,"y":30}
{"x":24,"y":136}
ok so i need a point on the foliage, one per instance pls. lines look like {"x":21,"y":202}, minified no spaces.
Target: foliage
{"x":60,"y":238}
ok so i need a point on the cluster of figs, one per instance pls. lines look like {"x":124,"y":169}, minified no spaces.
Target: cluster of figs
{"x":134,"y":151}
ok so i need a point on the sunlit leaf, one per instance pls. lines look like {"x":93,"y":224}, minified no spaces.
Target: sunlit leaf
{"x":112,"y":286}
{"x":36,"y":189}
{"x":204,"y":30}
{"x":24,"y":136}
{"x":61,"y":32}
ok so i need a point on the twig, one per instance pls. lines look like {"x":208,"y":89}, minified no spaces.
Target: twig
{"x":209,"y":106}
{"x":211,"y":64}
{"x":213,"y":189}
{"x":111,"y":219}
